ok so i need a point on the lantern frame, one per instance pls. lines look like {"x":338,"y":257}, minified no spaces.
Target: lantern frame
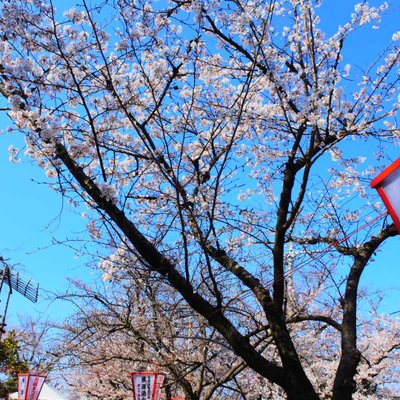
{"x":378,"y":184}
{"x":155,"y":390}
{"x":27,"y":390}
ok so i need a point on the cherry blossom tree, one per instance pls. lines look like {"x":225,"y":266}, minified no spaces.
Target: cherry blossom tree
{"x":122,"y":328}
{"x":38,"y":345}
{"x":127,"y":328}
{"x":221,"y":147}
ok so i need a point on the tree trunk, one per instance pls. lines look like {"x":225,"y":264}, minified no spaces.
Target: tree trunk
{"x":344,"y":384}
{"x":298,"y":391}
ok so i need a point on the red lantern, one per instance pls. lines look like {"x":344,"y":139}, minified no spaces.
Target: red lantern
{"x":147,"y":385}
{"x":30,"y":385}
{"x":387,"y":183}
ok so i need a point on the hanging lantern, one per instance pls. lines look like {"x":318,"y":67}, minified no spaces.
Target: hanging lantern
{"x":29,"y":386}
{"x":147,"y":385}
{"x":387,"y":183}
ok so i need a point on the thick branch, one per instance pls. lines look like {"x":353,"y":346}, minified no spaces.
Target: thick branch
{"x":158,"y":262}
{"x":344,"y":384}
{"x":318,"y":318}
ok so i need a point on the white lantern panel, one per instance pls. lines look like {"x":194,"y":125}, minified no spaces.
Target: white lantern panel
{"x":143,"y":385}
{"x":391,"y":186}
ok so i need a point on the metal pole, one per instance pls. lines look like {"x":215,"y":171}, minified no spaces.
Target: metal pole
{"x":6,"y":273}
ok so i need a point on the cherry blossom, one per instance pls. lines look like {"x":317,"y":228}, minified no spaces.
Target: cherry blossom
{"x":226,"y":150}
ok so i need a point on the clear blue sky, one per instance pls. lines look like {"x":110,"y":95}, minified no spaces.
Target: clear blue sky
{"x":31,"y":214}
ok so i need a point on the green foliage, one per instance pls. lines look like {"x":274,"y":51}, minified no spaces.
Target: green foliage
{"x":10,"y":364}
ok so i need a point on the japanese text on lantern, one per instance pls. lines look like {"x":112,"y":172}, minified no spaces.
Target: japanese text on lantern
{"x":147,"y":385}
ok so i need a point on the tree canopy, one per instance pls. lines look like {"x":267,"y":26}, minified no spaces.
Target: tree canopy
{"x":223,"y":149}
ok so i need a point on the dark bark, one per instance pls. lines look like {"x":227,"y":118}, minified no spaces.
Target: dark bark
{"x":295,"y":375}
{"x":159,"y":263}
{"x":290,"y":377}
{"x":294,"y":371}
{"x":344,"y":384}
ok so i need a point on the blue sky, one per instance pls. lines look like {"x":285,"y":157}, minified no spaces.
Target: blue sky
{"x":32,"y":215}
